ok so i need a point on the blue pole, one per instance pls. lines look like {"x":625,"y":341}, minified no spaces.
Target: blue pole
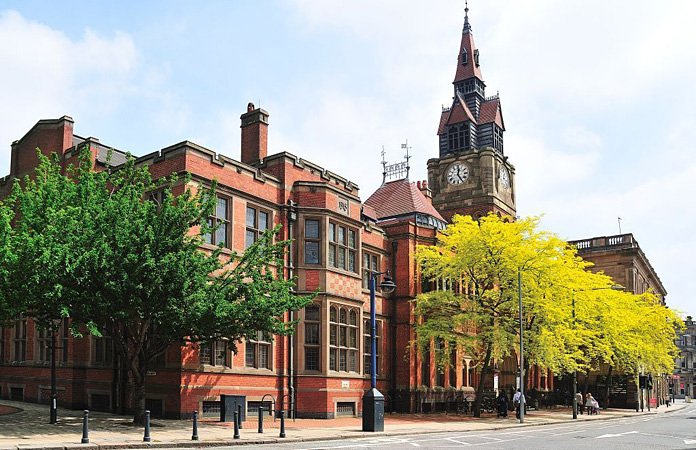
{"x":373,"y":329}
{"x":522,"y":399}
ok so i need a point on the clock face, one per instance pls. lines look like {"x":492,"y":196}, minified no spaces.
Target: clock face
{"x":504,"y":177}
{"x":457,"y":174}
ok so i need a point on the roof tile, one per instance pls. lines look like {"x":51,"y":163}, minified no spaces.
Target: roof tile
{"x":398,"y":198}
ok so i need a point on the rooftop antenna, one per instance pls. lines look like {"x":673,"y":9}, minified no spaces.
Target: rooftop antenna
{"x":407,"y":157}
{"x":384,"y":167}
{"x":619,"y":224}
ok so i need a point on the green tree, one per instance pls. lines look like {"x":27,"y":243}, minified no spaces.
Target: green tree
{"x":115,"y":261}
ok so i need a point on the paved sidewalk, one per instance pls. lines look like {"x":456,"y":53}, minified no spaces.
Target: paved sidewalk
{"x":28,"y":428}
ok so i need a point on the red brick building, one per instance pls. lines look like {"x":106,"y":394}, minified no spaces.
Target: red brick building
{"x":338,"y":240}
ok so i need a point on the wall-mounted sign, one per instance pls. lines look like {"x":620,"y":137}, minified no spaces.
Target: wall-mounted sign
{"x":345,"y":384}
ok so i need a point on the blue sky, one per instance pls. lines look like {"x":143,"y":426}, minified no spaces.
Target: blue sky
{"x":597,"y":96}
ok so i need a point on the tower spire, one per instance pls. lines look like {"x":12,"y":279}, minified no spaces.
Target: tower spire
{"x":467,"y":26}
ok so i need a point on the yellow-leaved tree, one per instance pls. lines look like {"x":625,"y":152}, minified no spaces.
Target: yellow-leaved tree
{"x":478,"y":266}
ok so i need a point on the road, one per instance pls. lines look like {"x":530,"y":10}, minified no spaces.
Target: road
{"x":663,"y":431}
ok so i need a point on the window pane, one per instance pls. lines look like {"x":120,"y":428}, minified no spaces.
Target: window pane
{"x":344,"y":316}
{"x":250,"y":238}
{"x":332,"y":256}
{"x":208,"y":237}
{"x":352,"y":361}
{"x":221,"y":235}
{"x":311,"y":358}
{"x":342,"y":361}
{"x":374,"y":263}
{"x":311,"y":252}
{"x":312,"y":313}
{"x":312,"y":229}
{"x":353,"y":317}
{"x":221,"y":209}
{"x":332,"y":232}
{"x":263,"y":356}
{"x":351,"y":238}
{"x":263,"y":221}
{"x":351,"y":261}
{"x":251,"y":217}
{"x":220,"y":353}
{"x":332,"y":360}
{"x":353,"y":338}
{"x":250,"y":354}
{"x":341,"y":258}
{"x":205,"y":353}
{"x":341,"y":235}
{"x":332,"y":334}
{"x":344,"y":336}
{"x":333,"y":316}
{"x":311,"y":333}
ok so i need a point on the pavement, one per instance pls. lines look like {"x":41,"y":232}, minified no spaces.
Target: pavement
{"x":25,"y":426}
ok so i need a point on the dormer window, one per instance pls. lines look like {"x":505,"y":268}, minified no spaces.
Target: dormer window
{"x":464,"y":57}
{"x":476,"y":57}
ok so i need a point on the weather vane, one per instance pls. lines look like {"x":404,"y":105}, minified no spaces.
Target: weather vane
{"x":396,"y":171}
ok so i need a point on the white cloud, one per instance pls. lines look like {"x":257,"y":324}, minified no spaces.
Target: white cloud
{"x":47,"y":75}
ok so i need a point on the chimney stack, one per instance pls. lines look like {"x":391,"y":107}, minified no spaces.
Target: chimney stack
{"x":254,"y":134}
{"x":423,"y":187}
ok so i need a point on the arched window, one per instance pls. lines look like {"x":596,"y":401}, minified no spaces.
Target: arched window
{"x":464,"y":57}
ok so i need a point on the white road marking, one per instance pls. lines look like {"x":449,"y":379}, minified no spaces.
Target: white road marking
{"x":458,"y":442}
{"x":415,"y":444}
{"x":615,"y":435}
{"x":690,"y":441}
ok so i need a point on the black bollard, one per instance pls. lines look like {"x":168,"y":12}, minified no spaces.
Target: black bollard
{"x":85,"y":428}
{"x":194,"y":437}
{"x":260,"y":419}
{"x":282,"y":424}
{"x":146,"y":438}
{"x":236,"y":425}
{"x":239,"y":408}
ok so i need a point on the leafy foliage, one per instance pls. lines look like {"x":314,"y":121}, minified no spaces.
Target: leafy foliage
{"x":92,"y":248}
{"x":479,"y":265}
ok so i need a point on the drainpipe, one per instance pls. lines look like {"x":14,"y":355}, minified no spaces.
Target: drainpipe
{"x":292,"y":217}
{"x":395,"y":245}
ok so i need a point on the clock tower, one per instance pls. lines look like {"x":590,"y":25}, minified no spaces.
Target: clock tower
{"x":472,"y":176}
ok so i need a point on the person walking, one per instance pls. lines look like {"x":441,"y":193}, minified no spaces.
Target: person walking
{"x":502,"y":404}
{"x":592,"y":404}
{"x":517,"y":400}
{"x":580,"y":400}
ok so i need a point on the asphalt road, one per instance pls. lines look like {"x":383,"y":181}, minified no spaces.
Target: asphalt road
{"x":664,"y":431}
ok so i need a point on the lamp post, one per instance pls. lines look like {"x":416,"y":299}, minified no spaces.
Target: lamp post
{"x":522,"y":399}
{"x":373,"y":400}
{"x":575,"y":372}
{"x":55,"y":326}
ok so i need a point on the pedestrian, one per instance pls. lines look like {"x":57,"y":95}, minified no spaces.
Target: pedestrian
{"x":592,"y":404}
{"x":502,"y":404}
{"x":517,"y":400}
{"x":581,"y":403}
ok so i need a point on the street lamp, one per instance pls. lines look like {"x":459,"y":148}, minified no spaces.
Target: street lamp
{"x":522,"y":399}
{"x":373,"y":400}
{"x":575,"y":372}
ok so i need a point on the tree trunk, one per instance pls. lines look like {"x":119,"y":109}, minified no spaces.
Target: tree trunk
{"x":606,"y":399}
{"x":139,"y":377}
{"x":482,"y":381}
